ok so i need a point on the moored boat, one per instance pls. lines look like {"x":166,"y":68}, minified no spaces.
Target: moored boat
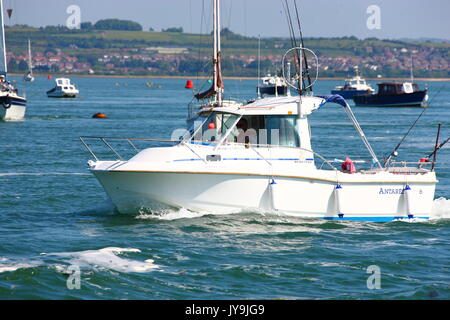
{"x":63,"y":89}
{"x":353,"y":86}
{"x":393,"y":94}
{"x":12,"y":105}
{"x":272,"y":86}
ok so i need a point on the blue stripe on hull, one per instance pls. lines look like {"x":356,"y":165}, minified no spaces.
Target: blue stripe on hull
{"x":373,"y":219}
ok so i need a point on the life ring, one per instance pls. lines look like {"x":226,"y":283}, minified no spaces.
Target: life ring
{"x":6,"y":105}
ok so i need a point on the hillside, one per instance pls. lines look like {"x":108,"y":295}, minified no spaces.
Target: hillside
{"x":116,"y":52}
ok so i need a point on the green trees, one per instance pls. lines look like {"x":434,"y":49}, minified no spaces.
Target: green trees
{"x":116,"y":24}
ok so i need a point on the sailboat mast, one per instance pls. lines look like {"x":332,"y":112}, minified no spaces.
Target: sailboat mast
{"x":3,"y":65}
{"x":218,"y":86}
{"x":30,"y":62}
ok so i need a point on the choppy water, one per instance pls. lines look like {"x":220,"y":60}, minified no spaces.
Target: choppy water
{"x":55,"y":216}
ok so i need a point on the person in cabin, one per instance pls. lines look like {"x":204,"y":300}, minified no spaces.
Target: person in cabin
{"x":243,"y":135}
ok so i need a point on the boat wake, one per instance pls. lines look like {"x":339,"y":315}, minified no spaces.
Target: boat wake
{"x":102,"y":259}
{"x":106,"y":258}
{"x":440,"y":210}
{"x":8,"y":265}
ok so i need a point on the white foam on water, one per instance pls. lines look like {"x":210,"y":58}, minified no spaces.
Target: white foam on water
{"x":175,"y":214}
{"x":107,"y":258}
{"x":6,"y":265}
{"x":440,"y":209}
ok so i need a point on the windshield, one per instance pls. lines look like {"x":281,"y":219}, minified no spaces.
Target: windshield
{"x":275,"y":130}
{"x":211,"y":129}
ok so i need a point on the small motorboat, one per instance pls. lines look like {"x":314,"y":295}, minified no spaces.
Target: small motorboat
{"x":353,"y":86}
{"x":393,"y":94}
{"x":272,"y":86}
{"x":63,"y":89}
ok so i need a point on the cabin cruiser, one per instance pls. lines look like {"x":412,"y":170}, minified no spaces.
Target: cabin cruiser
{"x":63,"y":89}
{"x":353,"y":86}
{"x":272,"y":86}
{"x":393,"y":94}
{"x":258,"y":156}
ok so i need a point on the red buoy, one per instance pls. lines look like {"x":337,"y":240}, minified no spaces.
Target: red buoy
{"x":49,"y":77}
{"x":189,"y":84}
{"x":99,"y":115}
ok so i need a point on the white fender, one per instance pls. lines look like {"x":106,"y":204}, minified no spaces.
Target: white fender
{"x":273,"y":187}
{"x":407,"y":195}
{"x":337,"y":199}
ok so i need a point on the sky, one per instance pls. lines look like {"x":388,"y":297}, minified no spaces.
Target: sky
{"x":392,"y":19}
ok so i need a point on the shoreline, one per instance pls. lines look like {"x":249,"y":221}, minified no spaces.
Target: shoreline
{"x":224,"y":77}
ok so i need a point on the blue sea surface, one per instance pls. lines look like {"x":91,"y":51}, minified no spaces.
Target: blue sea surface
{"x":61,"y":238}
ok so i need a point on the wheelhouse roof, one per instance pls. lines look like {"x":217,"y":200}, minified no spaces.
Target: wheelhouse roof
{"x":286,"y":105}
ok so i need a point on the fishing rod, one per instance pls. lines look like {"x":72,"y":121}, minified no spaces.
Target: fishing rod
{"x":303,"y":45}
{"x":394,"y":153}
{"x":439,"y":147}
{"x":287,"y":10}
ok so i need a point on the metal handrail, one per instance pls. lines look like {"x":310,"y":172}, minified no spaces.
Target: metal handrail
{"x":114,"y":151}
{"x":254,"y":147}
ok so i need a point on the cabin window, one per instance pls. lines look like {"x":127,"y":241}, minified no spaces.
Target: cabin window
{"x":213,"y":127}
{"x":282,"y":130}
{"x":277,"y":130}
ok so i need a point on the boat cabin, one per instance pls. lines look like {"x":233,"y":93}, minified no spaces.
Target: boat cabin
{"x":270,"y":122}
{"x":64,"y":84}
{"x":394,"y":88}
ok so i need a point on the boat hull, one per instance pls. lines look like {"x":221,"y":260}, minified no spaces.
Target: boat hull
{"x":349,"y":94}
{"x":415,"y":99}
{"x":12,"y":109}
{"x":134,"y":192}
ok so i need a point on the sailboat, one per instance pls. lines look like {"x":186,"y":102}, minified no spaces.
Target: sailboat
{"x":12,"y":105}
{"x":258,"y":156}
{"x":29,"y":74}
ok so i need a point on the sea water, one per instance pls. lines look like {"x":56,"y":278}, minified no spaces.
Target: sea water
{"x":61,"y":238}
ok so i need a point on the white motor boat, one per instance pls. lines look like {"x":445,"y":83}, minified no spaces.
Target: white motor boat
{"x":12,"y":105}
{"x":258,"y":157}
{"x":272,"y":86}
{"x":353,"y":87}
{"x":63,"y":89}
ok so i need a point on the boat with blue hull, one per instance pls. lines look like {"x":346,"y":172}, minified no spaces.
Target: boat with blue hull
{"x":393,"y":94}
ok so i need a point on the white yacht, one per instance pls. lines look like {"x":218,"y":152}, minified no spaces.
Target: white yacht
{"x":12,"y":105}
{"x":63,"y":89}
{"x":272,"y":86}
{"x":258,"y":156}
{"x":353,"y":87}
